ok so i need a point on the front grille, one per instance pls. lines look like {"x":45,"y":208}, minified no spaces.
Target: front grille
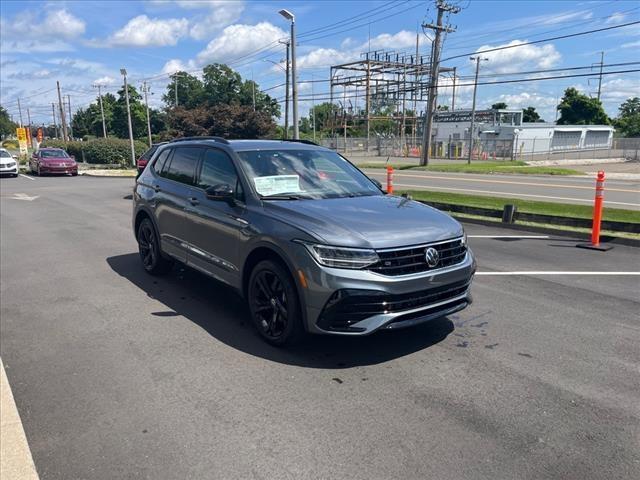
{"x":404,"y":261}
{"x":346,"y":307}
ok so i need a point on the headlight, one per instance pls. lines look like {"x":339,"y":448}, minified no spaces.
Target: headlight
{"x":342,"y":257}
{"x":464,"y":239}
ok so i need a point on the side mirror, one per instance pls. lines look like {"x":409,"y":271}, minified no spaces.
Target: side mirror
{"x":221,"y":192}
{"x":377,"y":183}
{"x":73,"y":157}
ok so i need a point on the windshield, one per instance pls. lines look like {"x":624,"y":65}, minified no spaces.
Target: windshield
{"x":304,"y":174}
{"x":5,"y":154}
{"x":53,"y":154}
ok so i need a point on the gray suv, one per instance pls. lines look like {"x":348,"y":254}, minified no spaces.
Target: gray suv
{"x":311,"y":242}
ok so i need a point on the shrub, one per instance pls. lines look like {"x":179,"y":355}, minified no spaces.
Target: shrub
{"x":11,"y":144}
{"x":114,"y":151}
{"x":111,"y":151}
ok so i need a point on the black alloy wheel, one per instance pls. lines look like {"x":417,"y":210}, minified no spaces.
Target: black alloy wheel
{"x":274,"y":304}
{"x":149,"y":248}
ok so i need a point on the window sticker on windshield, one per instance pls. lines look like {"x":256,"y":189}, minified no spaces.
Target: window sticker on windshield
{"x":277,"y":184}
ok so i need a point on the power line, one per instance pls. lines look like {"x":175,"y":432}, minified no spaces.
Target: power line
{"x":560,"y":37}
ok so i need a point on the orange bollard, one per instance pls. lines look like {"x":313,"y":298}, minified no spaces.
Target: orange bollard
{"x":597,"y":210}
{"x":597,"y":216}
{"x":389,"y":179}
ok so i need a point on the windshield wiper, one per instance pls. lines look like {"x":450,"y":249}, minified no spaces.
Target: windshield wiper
{"x":280,"y":196}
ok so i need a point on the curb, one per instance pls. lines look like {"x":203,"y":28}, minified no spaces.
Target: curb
{"x":630,"y":242}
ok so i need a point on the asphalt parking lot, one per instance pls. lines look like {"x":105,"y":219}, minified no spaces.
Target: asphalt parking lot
{"x":120,"y":375}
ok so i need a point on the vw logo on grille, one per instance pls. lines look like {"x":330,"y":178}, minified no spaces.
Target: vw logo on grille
{"x":432,"y":257}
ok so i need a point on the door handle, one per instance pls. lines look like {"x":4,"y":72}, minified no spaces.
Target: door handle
{"x":193,"y":200}
{"x":156,"y":188}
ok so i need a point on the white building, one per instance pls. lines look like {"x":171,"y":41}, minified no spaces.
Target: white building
{"x":502,"y":133}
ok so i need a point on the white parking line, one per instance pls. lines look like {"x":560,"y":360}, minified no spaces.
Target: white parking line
{"x":537,"y":272}
{"x":26,"y":176}
{"x":507,"y":236}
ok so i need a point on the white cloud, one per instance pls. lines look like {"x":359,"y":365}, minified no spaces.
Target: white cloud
{"x":515,"y":59}
{"x":106,"y":80}
{"x":350,"y":50}
{"x":617,"y":17}
{"x":619,"y":89}
{"x":631,"y":45}
{"x":402,"y":39}
{"x":238,"y":40}
{"x":175,"y":65}
{"x":34,"y":46}
{"x":142,"y":31}
{"x":57,"y":24}
{"x":202,"y":26}
{"x":568,"y":16}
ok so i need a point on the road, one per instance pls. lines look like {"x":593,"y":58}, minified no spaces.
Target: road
{"x":559,"y":189}
{"x":118,"y":375}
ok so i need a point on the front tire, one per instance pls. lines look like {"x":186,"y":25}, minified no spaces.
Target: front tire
{"x":149,"y":248}
{"x":274,"y":304}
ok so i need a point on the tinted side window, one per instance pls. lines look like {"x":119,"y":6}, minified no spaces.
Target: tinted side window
{"x":183,"y":164}
{"x":159,"y":164}
{"x":217,"y":168}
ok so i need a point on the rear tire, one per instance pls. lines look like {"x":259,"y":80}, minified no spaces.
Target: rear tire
{"x":274,"y":304}
{"x":151,"y":255}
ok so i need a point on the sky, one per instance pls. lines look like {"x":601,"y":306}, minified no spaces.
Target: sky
{"x":85,"y":43}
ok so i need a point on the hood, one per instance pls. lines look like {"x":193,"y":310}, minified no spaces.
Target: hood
{"x":371,"y":222}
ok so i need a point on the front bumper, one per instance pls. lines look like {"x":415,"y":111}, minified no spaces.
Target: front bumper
{"x":59,"y":170}
{"x":12,"y":170}
{"x":360,"y":302}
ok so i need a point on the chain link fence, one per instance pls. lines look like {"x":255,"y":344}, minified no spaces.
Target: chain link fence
{"x":533,"y":149}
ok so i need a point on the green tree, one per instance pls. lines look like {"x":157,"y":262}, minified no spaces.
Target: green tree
{"x":225,"y":120}
{"x":7,"y":127}
{"x":119,"y":121}
{"x":529,"y":115}
{"x":190,"y":91}
{"x":499,"y":106}
{"x":579,"y":109}
{"x":628,"y":121}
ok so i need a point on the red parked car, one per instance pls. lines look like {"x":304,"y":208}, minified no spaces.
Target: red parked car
{"x":146,"y":156}
{"x":53,"y":160}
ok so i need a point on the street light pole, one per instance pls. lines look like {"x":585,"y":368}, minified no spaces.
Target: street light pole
{"x":473,"y":105}
{"x":123,"y":72}
{"x":294,"y":80}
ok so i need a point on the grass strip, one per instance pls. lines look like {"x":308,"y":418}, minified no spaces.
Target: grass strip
{"x":525,"y":206}
{"x":508,"y":167}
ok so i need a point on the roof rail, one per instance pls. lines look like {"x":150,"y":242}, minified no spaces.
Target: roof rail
{"x":299,"y":140}
{"x":217,"y":139}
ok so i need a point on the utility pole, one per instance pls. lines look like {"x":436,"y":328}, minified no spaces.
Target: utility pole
{"x":286,"y":95}
{"x":55,"y":125}
{"x":146,"y":102}
{"x":453,"y":91}
{"x":313,"y":107}
{"x":20,"y":111}
{"x":415,"y":91}
{"x":104,"y":125}
{"x":63,"y":120}
{"x":69,"y":106}
{"x":473,"y":105}
{"x":29,"y":137}
{"x":432,"y":103}
{"x":294,"y":81}
{"x":175,"y":86}
{"x":600,"y":77}
{"x":123,"y":72}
